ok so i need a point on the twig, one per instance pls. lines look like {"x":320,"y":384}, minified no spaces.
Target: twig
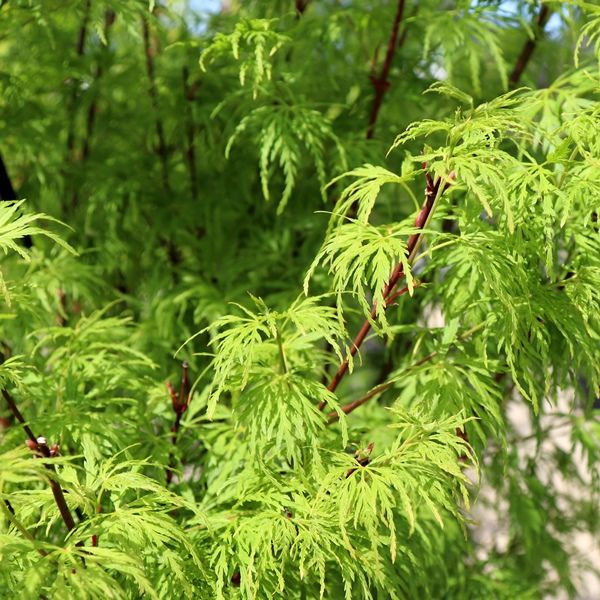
{"x":380,"y":82}
{"x":358,"y":340}
{"x":301,"y":6}
{"x":180,"y":404}
{"x":39,"y":444}
{"x":332,"y":417}
{"x":153,"y":93}
{"x":95,"y":535}
{"x":433,"y":192}
{"x":530,"y":45}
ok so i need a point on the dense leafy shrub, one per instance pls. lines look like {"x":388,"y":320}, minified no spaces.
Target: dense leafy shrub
{"x":358,"y":241}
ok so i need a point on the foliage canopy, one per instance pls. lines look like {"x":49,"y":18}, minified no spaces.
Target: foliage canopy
{"x":360,"y":238}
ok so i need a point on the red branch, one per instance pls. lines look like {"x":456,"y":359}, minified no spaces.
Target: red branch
{"x":380,"y":82}
{"x":180,"y":403}
{"x":529,"y":46}
{"x":333,"y":416}
{"x":301,"y":6}
{"x":431,"y":193}
{"x":40,"y":446}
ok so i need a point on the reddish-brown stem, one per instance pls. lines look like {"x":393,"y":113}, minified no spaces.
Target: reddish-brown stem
{"x":14,"y":409}
{"x":83,"y":28}
{"x":529,"y":46}
{"x":301,"y":6}
{"x":180,"y":404}
{"x":184,"y":387}
{"x":332,"y":417}
{"x":95,"y":536}
{"x":360,"y":337}
{"x":161,"y":149}
{"x":40,"y":445}
{"x":385,"y":385}
{"x":431,"y":193}
{"x":378,"y":389}
{"x":380,"y":82}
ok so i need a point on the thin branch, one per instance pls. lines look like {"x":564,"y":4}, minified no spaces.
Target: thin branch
{"x":83,"y":28}
{"x":40,"y":445}
{"x":161,"y":149}
{"x":332,"y":417}
{"x":433,"y":192}
{"x":180,"y":404}
{"x":301,"y":6}
{"x":530,"y":45}
{"x":95,"y":535}
{"x":380,"y":82}
{"x":17,"y":414}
